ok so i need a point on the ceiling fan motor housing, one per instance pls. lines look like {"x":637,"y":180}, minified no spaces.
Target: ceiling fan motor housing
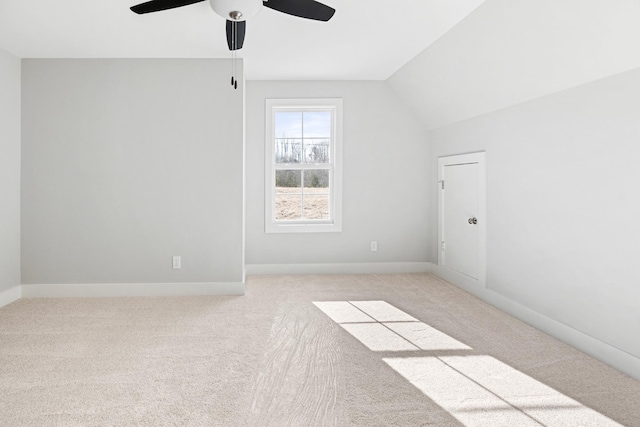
{"x":236,"y":10}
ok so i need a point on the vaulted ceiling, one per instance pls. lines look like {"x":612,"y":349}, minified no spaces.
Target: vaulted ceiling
{"x":365,"y":40}
{"x":450,"y":60}
{"x":511,"y":51}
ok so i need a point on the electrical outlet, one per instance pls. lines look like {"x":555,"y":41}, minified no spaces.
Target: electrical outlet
{"x":177,"y":262}
{"x":374,"y":246}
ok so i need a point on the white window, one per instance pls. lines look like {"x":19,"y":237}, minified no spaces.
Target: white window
{"x":303,"y":173}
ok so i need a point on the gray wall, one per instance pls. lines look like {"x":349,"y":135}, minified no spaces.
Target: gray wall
{"x":385,"y":168}
{"x":9,"y":171}
{"x":127,"y":163}
{"x":563,"y":204}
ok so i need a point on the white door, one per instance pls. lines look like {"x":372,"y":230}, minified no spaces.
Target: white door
{"x":461,"y":227}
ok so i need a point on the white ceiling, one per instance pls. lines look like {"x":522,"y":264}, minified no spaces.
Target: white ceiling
{"x":365,"y":40}
{"x":512,"y":51}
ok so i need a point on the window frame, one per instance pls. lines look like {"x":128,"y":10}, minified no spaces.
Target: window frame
{"x":334,"y":224}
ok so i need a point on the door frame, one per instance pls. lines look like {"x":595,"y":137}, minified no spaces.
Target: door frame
{"x":461,"y":159}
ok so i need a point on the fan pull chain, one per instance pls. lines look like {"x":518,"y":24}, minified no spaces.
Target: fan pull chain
{"x":234,"y":44}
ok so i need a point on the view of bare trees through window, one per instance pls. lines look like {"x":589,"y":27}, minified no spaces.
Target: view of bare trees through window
{"x":309,"y":150}
{"x":303,"y":159}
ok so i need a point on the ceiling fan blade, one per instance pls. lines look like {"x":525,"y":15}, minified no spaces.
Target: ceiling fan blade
{"x":309,"y":9}
{"x":158,"y":5}
{"x":240,"y":30}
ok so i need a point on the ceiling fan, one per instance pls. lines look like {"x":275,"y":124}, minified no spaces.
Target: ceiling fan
{"x":237,"y":11}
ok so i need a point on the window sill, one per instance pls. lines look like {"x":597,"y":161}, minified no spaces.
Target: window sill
{"x":275,"y":228}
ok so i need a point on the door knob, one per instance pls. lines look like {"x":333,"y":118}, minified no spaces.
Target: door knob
{"x":473,"y":220}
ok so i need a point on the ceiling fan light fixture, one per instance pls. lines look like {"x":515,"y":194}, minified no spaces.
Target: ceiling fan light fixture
{"x":236,"y":10}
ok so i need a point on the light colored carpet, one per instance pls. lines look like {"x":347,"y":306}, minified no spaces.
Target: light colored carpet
{"x":374,"y":350}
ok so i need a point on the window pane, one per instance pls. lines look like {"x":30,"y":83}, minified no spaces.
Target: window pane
{"x":288,"y":150}
{"x":317,"y":124}
{"x":288,"y":181}
{"x":316,"y":207}
{"x":288,"y":207}
{"x":316,"y":194}
{"x":316,"y":150}
{"x":288,"y":124}
{"x":316,"y":181}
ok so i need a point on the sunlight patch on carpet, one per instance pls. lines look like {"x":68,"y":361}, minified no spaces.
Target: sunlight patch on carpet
{"x":377,"y":337}
{"x":343,"y":312}
{"x":425,"y":337}
{"x":480,"y":391}
{"x":380,"y":326}
{"x":382,"y":311}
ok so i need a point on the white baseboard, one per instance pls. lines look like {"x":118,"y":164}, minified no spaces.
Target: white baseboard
{"x":10,"y":295}
{"x":346,"y":268}
{"x":612,"y":356}
{"x":130,"y":289}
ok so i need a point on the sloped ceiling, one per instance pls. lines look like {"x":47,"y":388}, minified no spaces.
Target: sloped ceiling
{"x":449,"y":60}
{"x":510,"y":51}
{"x":365,"y":40}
